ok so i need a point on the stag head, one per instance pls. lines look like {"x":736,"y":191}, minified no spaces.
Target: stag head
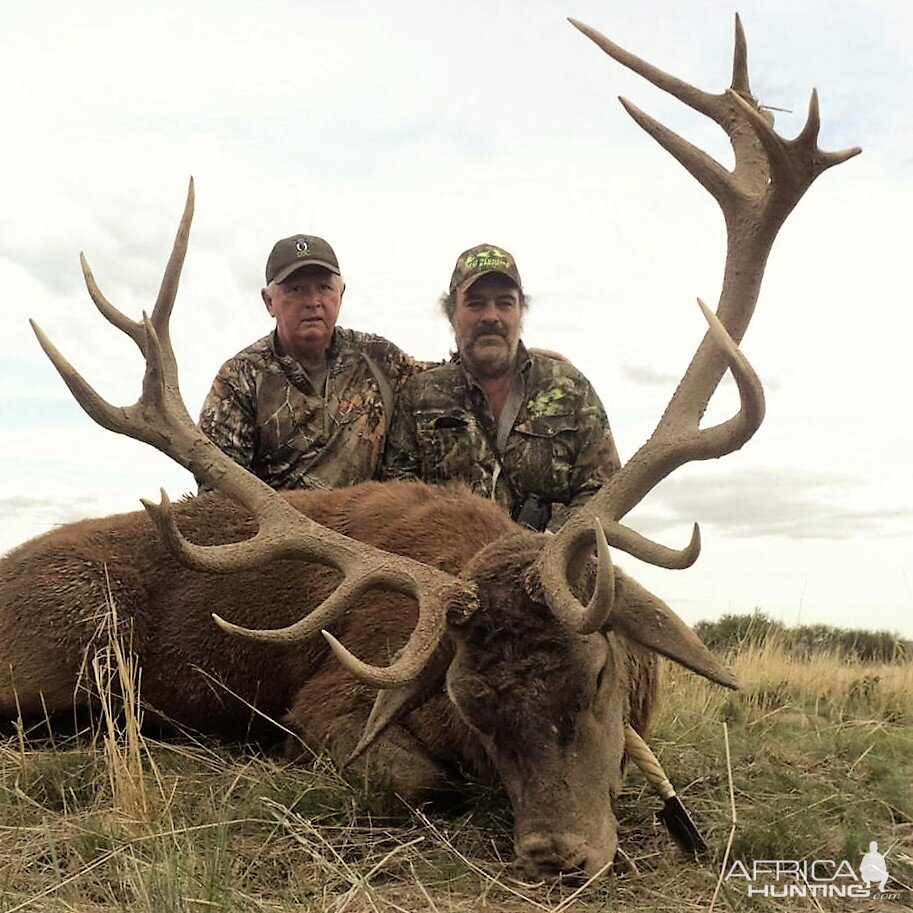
{"x":542,"y":646}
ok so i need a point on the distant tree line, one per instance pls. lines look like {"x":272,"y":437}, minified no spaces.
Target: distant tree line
{"x":754,"y":630}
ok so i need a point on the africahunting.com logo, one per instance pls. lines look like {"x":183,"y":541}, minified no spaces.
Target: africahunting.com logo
{"x":816,"y":877}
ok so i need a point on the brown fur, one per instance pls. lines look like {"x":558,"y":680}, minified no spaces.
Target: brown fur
{"x":527,"y":702}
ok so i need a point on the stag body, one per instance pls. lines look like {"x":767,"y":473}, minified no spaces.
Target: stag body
{"x":63,"y":578}
{"x":527,"y":702}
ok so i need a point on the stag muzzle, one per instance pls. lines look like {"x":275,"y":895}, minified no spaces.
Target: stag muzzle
{"x":565,"y":853}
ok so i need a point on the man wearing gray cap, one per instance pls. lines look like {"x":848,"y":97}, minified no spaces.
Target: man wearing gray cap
{"x":523,"y":427}
{"x":309,"y":405}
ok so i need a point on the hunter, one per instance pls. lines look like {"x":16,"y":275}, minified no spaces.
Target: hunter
{"x":309,"y":405}
{"x":525,"y":428}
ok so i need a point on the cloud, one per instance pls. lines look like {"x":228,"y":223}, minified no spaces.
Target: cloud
{"x":22,"y":503}
{"x":640,"y":374}
{"x":772,"y":502}
{"x":25,"y":517}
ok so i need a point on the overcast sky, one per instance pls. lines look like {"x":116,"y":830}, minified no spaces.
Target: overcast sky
{"x":405,"y":132}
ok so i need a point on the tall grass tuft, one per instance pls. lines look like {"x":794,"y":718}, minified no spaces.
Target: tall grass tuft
{"x":116,"y":677}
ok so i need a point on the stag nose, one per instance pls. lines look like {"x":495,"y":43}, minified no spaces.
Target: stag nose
{"x":550,"y":855}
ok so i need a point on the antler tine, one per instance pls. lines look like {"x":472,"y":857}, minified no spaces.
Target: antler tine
{"x":160,"y":418}
{"x":98,"y":409}
{"x":404,"y":668}
{"x":769,"y":177}
{"x":558,"y":595}
{"x":695,"y":98}
{"x":740,"y":60}
{"x":705,"y":169}
{"x":161,"y":313}
{"x":732,"y":434}
{"x":130,"y":327}
{"x":162,"y":310}
{"x":809,"y":137}
{"x":433,"y":598}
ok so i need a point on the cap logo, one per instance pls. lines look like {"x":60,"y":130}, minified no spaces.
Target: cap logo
{"x":491,"y":259}
{"x":301,"y":246}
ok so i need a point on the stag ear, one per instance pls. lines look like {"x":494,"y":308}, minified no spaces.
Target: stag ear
{"x":644,"y":618}
{"x":393,"y":703}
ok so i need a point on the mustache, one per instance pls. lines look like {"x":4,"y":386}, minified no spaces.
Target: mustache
{"x":490,"y":329}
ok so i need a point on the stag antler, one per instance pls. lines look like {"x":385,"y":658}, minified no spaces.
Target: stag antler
{"x":160,"y":418}
{"x":769,"y":177}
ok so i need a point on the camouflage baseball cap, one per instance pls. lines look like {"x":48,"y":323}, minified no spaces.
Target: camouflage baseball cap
{"x":293,"y":253}
{"x":482,"y":259}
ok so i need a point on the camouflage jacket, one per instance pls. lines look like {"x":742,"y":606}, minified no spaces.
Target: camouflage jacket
{"x":559,"y":445}
{"x":265,"y":414}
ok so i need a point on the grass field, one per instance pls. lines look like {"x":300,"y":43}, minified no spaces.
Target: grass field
{"x":821,"y":762}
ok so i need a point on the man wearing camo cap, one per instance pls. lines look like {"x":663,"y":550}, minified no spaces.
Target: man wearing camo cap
{"x":524,"y":428}
{"x":308,"y":405}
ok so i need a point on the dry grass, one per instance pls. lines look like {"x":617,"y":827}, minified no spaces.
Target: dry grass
{"x":835,"y":688}
{"x":821,"y":763}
